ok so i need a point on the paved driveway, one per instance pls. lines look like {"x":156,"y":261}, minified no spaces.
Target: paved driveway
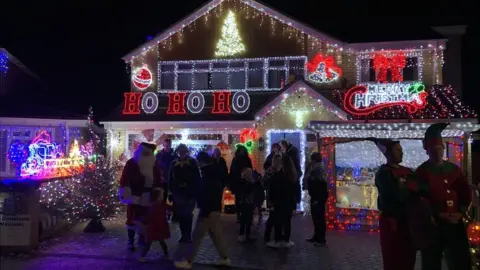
{"x":107,"y":251}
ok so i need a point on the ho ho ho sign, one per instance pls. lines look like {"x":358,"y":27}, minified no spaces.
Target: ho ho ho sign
{"x":366,"y":99}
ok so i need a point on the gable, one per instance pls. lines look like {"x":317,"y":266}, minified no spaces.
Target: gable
{"x":266,"y":23}
{"x":297,"y":105}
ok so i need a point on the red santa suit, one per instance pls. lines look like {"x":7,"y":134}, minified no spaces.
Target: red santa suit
{"x":139,"y":177}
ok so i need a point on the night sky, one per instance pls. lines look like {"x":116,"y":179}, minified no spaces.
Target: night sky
{"x":76,"y":46}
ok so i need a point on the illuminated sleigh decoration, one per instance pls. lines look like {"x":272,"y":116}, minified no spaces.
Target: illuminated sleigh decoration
{"x":46,"y":160}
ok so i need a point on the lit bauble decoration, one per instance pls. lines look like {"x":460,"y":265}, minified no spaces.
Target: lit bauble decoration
{"x":473,"y":232}
{"x":18,"y":152}
{"x":142,"y":78}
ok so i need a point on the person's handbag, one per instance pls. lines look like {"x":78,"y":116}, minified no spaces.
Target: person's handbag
{"x":422,"y":227}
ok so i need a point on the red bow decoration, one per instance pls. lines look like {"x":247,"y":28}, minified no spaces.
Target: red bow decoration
{"x":395,"y":64}
{"x":329,"y":62}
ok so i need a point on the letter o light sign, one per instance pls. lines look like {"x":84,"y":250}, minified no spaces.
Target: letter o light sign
{"x":135,"y":102}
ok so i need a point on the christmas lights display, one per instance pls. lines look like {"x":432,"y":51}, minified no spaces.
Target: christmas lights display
{"x":323,"y":69}
{"x":46,"y":160}
{"x":394,"y":64}
{"x":241,"y":66}
{"x":441,"y":102}
{"x":18,"y":153}
{"x":149,"y":103}
{"x":364,"y":100}
{"x":195,"y":102}
{"x":142,"y":78}
{"x":230,"y":43}
{"x":248,"y":137}
{"x":91,"y":194}
{"x":3,"y":62}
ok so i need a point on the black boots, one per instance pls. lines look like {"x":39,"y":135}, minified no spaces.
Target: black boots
{"x":131,"y":239}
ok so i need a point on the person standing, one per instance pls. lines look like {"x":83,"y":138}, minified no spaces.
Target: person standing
{"x":240,"y":161}
{"x":184,"y":177}
{"x":139,"y":177}
{"x":221,"y":165}
{"x":246,"y":202}
{"x":274,"y":150}
{"x":155,"y":224}
{"x":398,"y":251}
{"x":164,"y":158}
{"x":269,"y":177}
{"x":449,"y":197}
{"x":292,"y":152}
{"x":284,"y":197}
{"x":316,"y":183}
{"x":209,"y":202}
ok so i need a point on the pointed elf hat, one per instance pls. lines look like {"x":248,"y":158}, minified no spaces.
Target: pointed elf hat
{"x":433,"y":135}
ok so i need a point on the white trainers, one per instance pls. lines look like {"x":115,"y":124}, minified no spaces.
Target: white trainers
{"x":273,"y":244}
{"x":183,"y":265}
{"x":288,"y":244}
{"x":241,"y":238}
{"x":223,"y":262}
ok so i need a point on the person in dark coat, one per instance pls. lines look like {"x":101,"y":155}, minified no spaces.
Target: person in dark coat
{"x":259,"y":195}
{"x":240,"y":161}
{"x":164,"y":158}
{"x":184,"y":178}
{"x":274,"y":150}
{"x":221,"y":165}
{"x":291,"y":151}
{"x":246,"y":203}
{"x":209,"y":202}
{"x":316,"y":183}
{"x":284,"y":198}
{"x":267,"y":180}
{"x":449,"y":198}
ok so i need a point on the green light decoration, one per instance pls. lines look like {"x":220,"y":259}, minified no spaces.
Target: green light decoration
{"x":416,"y":88}
{"x":248,"y":144}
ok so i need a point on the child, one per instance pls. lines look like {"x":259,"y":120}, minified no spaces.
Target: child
{"x":246,"y":204}
{"x":155,"y":225}
{"x":259,"y":195}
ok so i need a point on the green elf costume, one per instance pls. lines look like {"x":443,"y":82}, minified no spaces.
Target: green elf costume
{"x":449,"y":198}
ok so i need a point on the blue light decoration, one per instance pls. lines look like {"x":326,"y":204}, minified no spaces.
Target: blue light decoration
{"x":18,"y":153}
{"x":3,"y":62}
{"x":149,"y":37}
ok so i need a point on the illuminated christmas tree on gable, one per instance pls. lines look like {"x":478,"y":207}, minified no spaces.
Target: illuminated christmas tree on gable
{"x":230,"y":43}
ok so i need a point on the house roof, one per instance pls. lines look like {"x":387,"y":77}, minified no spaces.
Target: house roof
{"x":212,"y":4}
{"x":12,"y":59}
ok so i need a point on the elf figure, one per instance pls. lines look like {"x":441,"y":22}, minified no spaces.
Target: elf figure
{"x":398,"y":251}
{"x":140,"y":177}
{"x":449,"y":198}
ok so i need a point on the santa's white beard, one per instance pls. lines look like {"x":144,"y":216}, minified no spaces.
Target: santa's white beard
{"x":146,"y":164}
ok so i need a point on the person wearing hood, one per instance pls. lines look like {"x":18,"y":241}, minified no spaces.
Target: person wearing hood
{"x":209,"y":202}
{"x":184,"y":177}
{"x":221,"y":164}
{"x":316,"y":183}
{"x":449,"y":197}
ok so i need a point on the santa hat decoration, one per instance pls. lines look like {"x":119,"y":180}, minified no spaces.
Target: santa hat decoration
{"x":384,"y":145}
{"x":433,"y":135}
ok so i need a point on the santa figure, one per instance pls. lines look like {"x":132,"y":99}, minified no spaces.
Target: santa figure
{"x":140,"y":177}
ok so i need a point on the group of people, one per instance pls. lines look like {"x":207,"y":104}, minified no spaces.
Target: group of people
{"x":421,"y":210}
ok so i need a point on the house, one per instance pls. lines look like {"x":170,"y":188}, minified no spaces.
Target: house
{"x":239,"y":72}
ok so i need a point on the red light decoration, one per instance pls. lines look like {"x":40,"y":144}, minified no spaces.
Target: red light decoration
{"x":323,"y":69}
{"x":395,"y":64}
{"x":473,"y":232}
{"x":176,"y":103}
{"x":341,"y":218}
{"x":131,"y":104}
{"x":142,"y":78}
{"x":221,"y":102}
{"x":248,"y":134}
{"x":361,"y":100}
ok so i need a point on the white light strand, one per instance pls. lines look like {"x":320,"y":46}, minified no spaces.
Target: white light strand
{"x":149,"y":102}
{"x":199,"y":99}
{"x":230,"y":62}
{"x":240,"y":102}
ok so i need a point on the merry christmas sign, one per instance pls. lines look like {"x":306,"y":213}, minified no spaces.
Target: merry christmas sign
{"x":366,"y":99}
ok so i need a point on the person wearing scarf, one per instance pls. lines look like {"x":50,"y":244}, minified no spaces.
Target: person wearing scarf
{"x":316,"y":184}
{"x":449,"y":197}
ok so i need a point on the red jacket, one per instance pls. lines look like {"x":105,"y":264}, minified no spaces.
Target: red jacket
{"x":157,"y":228}
{"x":449,"y":191}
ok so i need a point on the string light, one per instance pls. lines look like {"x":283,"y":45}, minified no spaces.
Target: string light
{"x":3,"y":61}
{"x":230,"y":43}
{"x":246,"y":66}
